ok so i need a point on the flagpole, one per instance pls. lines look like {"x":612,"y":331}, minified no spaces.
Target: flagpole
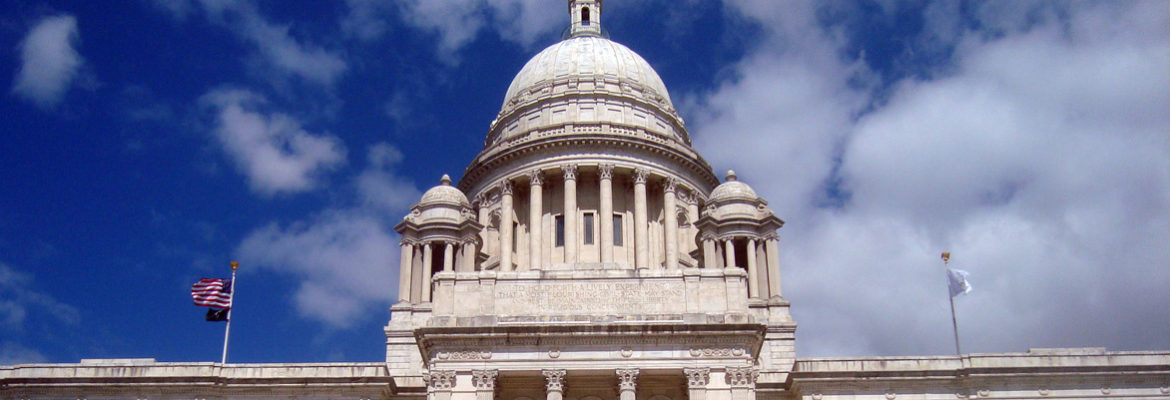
{"x":946,"y":256}
{"x":231,"y":302}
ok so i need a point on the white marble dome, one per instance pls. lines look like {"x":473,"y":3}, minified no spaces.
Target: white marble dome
{"x":586,"y":58}
{"x":444,"y":194}
{"x":732,"y":189}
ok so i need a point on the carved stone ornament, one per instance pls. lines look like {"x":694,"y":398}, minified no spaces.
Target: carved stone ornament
{"x":716,"y":352}
{"x":627,"y":352}
{"x":465,"y":355}
{"x":484,"y":379}
{"x":570,"y":171}
{"x":697,"y":377}
{"x":640,"y":176}
{"x":670,"y":185}
{"x":742,"y":376}
{"x":439,"y":380}
{"x":605,"y":171}
{"x":506,"y":187}
{"x":537,"y":177}
{"x":555,"y":378}
{"x":627,"y":379}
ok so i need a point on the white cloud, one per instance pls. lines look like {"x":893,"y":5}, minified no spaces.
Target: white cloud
{"x":270,"y":148}
{"x":457,"y":22}
{"x":1038,"y":155}
{"x":346,"y":258}
{"x":49,"y":61}
{"x":18,"y":300}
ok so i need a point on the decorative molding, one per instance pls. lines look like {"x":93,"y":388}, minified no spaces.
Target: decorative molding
{"x":640,"y":175}
{"x":605,"y":171}
{"x":570,"y":171}
{"x":439,"y":380}
{"x":555,"y":379}
{"x":484,"y":379}
{"x":742,"y":376}
{"x":697,"y":378}
{"x":464,"y":355}
{"x":717,"y":352}
{"x":627,"y":379}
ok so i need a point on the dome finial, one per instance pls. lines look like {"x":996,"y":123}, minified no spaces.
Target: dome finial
{"x":445,"y":180}
{"x":585,"y":17}
{"x":731,"y":177}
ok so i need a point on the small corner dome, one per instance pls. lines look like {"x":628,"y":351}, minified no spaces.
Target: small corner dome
{"x":444,"y":194}
{"x":586,"y":58}
{"x":732,"y":189}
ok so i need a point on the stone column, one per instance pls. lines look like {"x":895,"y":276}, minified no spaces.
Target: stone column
{"x":448,"y":257}
{"x":535,"y":214}
{"x":709,"y":254}
{"x":641,"y":221}
{"x":605,"y":211}
{"x":729,"y":253}
{"x":761,"y":256}
{"x":416,"y":274}
{"x":555,"y":389}
{"x":469,"y":253}
{"x":627,"y":383}
{"x":485,"y":383}
{"x":404,"y":267}
{"x":753,"y":275}
{"x":697,"y":379}
{"x":570,"y":212}
{"x":427,"y":272}
{"x":773,"y":265}
{"x":439,"y":384}
{"x":743,"y":382}
{"x":670,"y":219}
{"x":506,"y":225}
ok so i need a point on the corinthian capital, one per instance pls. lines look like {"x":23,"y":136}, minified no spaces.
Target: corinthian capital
{"x":506,"y":187}
{"x":640,"y":175}
{"x":537,"y":177}
{"x":697,"y":377}
{"x":570,"y":171}
{"x":606,"y":171}
{"x":742,"y":376}
{"x":484,"y":379}
{"x":439,"y":380}
{"x":555,"y":378}
{"x":627,"y":379}
{"x":670,"y":185}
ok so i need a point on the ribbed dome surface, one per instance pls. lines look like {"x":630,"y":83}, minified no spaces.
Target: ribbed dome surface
{"x":586,"y":57}
{"x":444,"y":194}
{"x":733,"y":189}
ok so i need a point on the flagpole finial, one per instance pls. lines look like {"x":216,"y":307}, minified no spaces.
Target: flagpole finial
{"x":946,"y":256}
{"x":235,"y":265}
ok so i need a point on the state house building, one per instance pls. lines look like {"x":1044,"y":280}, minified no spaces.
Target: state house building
{"x":590,"y":253}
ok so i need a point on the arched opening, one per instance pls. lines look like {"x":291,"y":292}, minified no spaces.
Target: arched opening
{"x":585,"y":16}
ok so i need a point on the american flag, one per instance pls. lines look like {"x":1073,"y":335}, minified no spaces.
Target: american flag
{"x":212,"y":292}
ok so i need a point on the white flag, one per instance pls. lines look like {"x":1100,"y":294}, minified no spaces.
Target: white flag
{"x":957,"y":281}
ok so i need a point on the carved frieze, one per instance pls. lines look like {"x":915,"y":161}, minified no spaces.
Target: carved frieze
{"x":718,"y":352}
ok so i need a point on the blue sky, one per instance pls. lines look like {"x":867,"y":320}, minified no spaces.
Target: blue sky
{"x":146,"y":144}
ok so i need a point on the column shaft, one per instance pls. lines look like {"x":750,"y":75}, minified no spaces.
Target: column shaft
{"x":570,"y":213}
{"x":404,"y":266}
{"x":641,"y":221}
{"x":670,"y":219}
{"x":761,"y":256}
{"x":729,"y":253}
{"x":448,"y":257}
{"x":469,"y":253}
{"x":427,"y":263}
{"x":753,"y":275}
{"x":605,"y":212}
{"x":535,"y":218}
{"x":773,"y":267}
{"x":709,"y":254}
{"x":506,"y":226}
{"x":416,"y":275}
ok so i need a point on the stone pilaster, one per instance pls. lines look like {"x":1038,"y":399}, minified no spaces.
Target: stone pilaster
{"x":535,"y":214}
{"x":627,"y":383}
{"x":439,"y":384}
{"x":555,"y":387}
{"x":670,"y":220}
{"x":485,"y":383}
{"x":506,"y":225}
{"x":697,"y":379}
{"x":742,"y":381}
{"x":605,"y":211}
{"x":641,"y":221}
{"x":570,"y":212}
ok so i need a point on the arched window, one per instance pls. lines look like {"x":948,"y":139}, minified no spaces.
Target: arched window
{"x":585,"y":16}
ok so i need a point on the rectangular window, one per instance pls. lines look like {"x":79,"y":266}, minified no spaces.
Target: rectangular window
{"x":588,"y":221}
{"x":617,"y":230}
{"x":560,"y":230}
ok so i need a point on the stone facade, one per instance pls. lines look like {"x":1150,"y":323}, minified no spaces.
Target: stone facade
{"x":590,"y":253}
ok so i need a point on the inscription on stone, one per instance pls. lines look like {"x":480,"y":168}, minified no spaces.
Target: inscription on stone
{"x":591,"y":298}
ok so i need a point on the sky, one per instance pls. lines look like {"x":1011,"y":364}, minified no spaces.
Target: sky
{"x":145,"y":144}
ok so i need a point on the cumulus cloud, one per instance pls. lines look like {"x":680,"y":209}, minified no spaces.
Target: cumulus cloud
{"x":457,"y":22}
{"x":346,"y":258}
{"x":271,"y":149}
{"x":49,"y":61}
{"x":1036,"y":153}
